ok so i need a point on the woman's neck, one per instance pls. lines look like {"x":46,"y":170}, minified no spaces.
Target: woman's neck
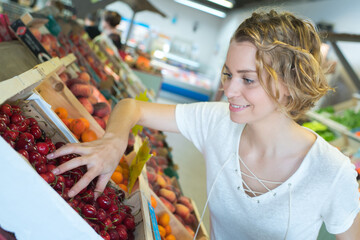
{"x":277,"y":139}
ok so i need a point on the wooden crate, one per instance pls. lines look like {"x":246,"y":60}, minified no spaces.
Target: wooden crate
{"x":57,"y":94}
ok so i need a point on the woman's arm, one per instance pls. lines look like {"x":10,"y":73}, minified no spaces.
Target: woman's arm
{"x":353,"y":232}
{"x":102,"y":156}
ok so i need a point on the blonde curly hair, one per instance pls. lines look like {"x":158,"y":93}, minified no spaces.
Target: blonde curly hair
{"x":288,"y":49}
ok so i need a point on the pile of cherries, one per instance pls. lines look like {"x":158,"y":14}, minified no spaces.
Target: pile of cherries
{"x":107,"y":215}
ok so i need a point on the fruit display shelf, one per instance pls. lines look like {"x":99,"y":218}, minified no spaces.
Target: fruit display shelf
{"x":19,"y":178}
{"x":348,"y":141}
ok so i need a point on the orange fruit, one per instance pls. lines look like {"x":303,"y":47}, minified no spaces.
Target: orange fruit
{"x":77,"y":126}
{"x":153,"y":202}
{"x":123,"y":187}
{"x":86,"y":122}
{"x":118,"y":169}
{"x":164,"y":219}
{"x":125,"y":182}
{"x":162,"y":231}
{"x":67,"y":122}
{"x":61,"y":112}
{"x":117,"y":177}
{"x":170,"y":237}
{"x":168,"y":229}
{"x":88,"y":136}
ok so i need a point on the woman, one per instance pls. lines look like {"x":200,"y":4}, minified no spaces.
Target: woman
{"x":108,"y":25}
{"x":267,"y":177}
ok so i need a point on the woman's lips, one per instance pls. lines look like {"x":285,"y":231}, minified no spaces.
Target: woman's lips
{"x":237,"y":108}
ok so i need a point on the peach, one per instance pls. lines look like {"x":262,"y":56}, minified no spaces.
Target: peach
{"x":182,"y":210}
{"x":85,"y":76}
{"x":191,"y":219}
{"x":168,"y":194}
{"x":186,"y":201}
{"x":160,"y":180}
{"x":168,"y":204}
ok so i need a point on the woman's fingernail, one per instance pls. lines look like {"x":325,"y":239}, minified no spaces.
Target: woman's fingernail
{"x":55,"y":171}
{"x":50,"y":155}
{"x":71,"y":194}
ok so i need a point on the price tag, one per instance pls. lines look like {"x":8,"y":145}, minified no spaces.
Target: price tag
{"x":154,"y":222}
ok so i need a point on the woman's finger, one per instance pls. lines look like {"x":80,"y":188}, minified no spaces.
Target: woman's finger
{"x":101,"y":184}
{"x":82,"y":183}
{"x":71,"y":164}
{"x":68,"y":149}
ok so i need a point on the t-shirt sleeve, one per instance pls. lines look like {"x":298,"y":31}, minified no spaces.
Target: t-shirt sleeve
{"x":341,"y":208}
{"x":196,"y":120}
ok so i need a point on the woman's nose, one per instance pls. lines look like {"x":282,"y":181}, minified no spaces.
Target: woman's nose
{"x":232,"y":88}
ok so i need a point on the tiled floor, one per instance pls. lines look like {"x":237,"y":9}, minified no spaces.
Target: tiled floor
{"x":192,"y":176}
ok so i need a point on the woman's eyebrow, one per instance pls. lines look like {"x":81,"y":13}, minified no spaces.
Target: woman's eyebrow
{"x":241,"y":71}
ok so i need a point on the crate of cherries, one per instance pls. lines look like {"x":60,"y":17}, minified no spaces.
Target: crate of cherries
{"x":108,"y":215}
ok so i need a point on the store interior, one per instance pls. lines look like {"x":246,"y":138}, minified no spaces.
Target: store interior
{"x":171,"y":53}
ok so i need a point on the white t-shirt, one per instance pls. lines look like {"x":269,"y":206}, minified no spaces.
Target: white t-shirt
{"x":323,"y":189}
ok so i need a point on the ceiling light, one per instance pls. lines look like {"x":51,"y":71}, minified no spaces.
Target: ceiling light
{"x":223,"y":3}
{"x":202,"y":8}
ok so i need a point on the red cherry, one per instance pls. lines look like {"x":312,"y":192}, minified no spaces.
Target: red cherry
{"x":43,"y":148}
{"x":121,"y":229}
{"x":50,"y":167}
{"x":60,"y":183}
{"x":104,"y":235}
{"x":15,"y":109}
{"x":32,"y":122}
{"x":129,"y":224}
{"x":6,"y":108}
{"x":51,"y":146}
{"x":23,"y":126}
{"x":17,"y":118}
{"x":112,"y":209}
{"x":24,"y":153}
{"x":69,"y":182}
{"x":35,"y":130}
{"x":34,"y":156}
{"x":28,"y":137}
{"x":73,"y":203}
{"x":88,"y":196}
{"x":51,"y":177}
{"x":113,"y":234}
{"x":2,"y":126}
{"x":117,"y":219}
{"x":5,"y":118}
{"x":104,"y":202}
{"x":41,"y":168}
{"x":11,"y":135}
{"x":89,"y":211}
{"x":107,"y":224}
{"x":101,"y":215}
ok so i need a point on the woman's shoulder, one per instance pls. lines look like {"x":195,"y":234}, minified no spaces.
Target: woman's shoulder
{"x":329,"y":160}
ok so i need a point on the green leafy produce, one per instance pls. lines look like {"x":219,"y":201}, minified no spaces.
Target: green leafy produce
{"x":349,"y":118}
{"x":329,"y":109}
{"x":320,"y":129}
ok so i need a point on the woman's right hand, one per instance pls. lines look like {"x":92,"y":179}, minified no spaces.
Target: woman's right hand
{"x":100,"y":157}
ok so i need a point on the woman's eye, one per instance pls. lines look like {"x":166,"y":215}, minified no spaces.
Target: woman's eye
{"x":227,"y":75}
{"x":248,"y":81}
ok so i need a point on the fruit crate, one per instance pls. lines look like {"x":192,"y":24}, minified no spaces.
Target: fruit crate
{"x":28,"y":195}
{"x":178,"y":228}
{"x":57,"y":94}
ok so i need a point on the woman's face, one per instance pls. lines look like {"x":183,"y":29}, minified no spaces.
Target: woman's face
{"x":249,"y":103}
